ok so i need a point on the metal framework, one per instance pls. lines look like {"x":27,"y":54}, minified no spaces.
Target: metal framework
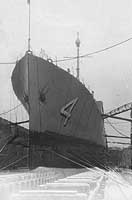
{"x":118,"y":110}
{"x":118,"y":143}
{"x":114,"y":136}
{"x":115,"y":117}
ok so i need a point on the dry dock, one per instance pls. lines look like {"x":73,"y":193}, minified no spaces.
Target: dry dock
{"x":42,"y":184}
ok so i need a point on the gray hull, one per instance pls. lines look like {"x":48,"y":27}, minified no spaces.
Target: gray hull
{"x":62,"y":112}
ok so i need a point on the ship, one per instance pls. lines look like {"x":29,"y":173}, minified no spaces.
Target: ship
{"x":66,"y":127}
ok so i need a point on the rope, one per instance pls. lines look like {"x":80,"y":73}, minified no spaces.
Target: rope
{"x":100,"y":170}
{"x":83,"y":56}
{"x":3,"y":113}
{"x":7,"y":141}
{"x":88,"y":163}
{"x":13,"y":162}
{"x":116,"y":129}
{"x":71,"y":160}
{"x":96,"y":52}
{"x":7,"y":63}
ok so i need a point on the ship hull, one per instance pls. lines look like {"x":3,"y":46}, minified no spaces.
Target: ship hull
{"x":65,"y":122}
{"x":56,"y":151}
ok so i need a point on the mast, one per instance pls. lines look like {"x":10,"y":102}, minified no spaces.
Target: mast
{"x":29,"y":159}
{"x":77,"y":42}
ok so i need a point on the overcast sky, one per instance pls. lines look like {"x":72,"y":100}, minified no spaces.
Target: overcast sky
{"x":54,"y":24}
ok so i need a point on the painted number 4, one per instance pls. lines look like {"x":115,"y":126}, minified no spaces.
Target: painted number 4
{"x":67,"y":109}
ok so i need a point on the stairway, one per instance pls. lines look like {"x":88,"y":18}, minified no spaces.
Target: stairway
{"x":54,"y":184}
{"x":45,"y":184}
{"x":16,"y":182}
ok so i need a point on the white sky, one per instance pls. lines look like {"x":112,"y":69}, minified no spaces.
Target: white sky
{"x":54,"y":24}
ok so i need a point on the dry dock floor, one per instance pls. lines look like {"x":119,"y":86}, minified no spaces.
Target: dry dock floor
{"x":42,"y":184}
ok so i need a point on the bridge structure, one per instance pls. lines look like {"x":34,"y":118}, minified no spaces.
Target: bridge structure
{"x":114,"y":114}
{"x":119,"y":110}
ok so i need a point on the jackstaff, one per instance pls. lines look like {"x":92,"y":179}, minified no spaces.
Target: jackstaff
{"x":29,"y":24}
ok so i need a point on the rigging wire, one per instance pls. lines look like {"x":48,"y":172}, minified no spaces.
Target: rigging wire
{"x":85,"y":55}
{"x":71,"y":160}
{"x":88,"y":163}
{"x":13,"y":163}
{"x":3,"y":113}
{"x":115,"y":128}
{"x":117,"y":122}
{"x":96,"y":52}
{"x":84,"y":165}
{"x":7,"y":63}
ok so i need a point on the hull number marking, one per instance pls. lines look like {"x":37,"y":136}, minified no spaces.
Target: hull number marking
{"x":67,"y":109}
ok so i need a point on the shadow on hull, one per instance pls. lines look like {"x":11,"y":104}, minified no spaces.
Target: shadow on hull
{"x":48,"y":149}
{"x":59,"y":151}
